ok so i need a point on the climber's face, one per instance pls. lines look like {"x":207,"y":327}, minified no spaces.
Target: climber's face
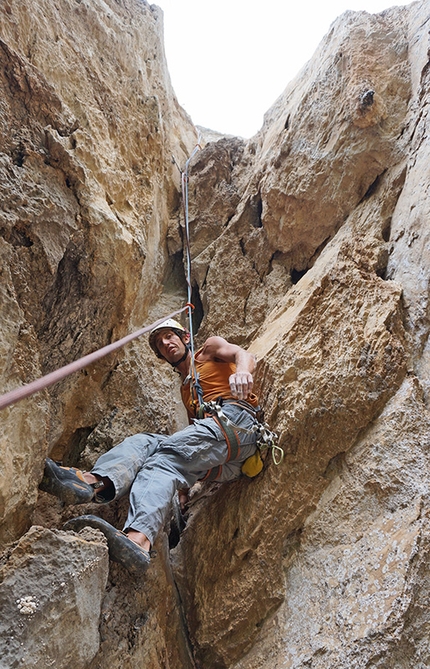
{"x":170,"y":345}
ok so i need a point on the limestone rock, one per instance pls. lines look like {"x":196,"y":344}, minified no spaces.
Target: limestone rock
{"x":334,"y":131}
{"x":410,"y":257}
{"x":356,"y":583}
{"x":89,"y":122}
{"x":51,"y":589}
{"x":309,"y":245}
{"x":214,"y":183}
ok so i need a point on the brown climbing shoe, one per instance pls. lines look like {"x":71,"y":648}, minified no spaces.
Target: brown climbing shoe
{"x":66,"y":483}
{"x":121,"y":549}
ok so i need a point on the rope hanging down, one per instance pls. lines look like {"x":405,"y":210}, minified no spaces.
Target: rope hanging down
{"x":49,"y":379}
{"x":184,"y":182}
{"x":266,"y":439}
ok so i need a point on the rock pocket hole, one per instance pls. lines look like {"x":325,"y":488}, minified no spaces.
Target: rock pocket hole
{"x":18,"y":156}
{"x":386,"y":230}
{"x":255,"y":205}
{"x":373,"y":187}
{"x":297,"y":274}
{"x":19,"y":237}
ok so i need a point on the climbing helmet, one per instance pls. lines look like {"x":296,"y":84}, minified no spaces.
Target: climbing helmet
{"x":170,"y":324}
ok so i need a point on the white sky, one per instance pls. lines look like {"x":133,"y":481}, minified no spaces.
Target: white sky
{"x":230,"y":59}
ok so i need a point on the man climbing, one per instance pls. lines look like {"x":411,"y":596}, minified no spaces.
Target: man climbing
{"x":152,"y":467}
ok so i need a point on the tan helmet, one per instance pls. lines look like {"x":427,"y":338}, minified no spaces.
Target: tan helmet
{"x":170,"y":324}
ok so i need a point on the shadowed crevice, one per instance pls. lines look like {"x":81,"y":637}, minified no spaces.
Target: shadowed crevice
{"x":296,"y":275}
{"x":198,"y":313}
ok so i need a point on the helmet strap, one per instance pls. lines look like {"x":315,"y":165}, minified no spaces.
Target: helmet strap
{"x":184,"y":357}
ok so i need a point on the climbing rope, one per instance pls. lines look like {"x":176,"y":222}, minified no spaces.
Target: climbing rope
{"x":49,"y":379}
{"x":266,"y":439}
{"x":185,"y":203}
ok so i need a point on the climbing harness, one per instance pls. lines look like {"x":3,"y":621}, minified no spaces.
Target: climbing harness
{"x":266,"y":438}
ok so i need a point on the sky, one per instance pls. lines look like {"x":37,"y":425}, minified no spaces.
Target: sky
{"x":229,"y":60}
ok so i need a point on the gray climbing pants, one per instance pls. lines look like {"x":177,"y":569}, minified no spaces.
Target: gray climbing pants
{"x":152,"y":467}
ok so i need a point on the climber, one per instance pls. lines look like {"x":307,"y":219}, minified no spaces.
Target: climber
{"x":152,"y":467}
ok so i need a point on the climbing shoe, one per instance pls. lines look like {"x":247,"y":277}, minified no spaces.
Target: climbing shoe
{"x":66,"y":483}
{"x":121,"y":549}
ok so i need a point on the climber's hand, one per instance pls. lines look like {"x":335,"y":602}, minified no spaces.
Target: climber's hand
{"x":241,"y":385}
{"x":183,"y":498}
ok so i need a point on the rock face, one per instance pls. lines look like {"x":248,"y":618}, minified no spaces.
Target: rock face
{"x":310,"y":245}
{"x":49,"y":585}
{"x":89,"y":123}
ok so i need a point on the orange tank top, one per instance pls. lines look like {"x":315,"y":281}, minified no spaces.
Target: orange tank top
{"x":213,"y":378}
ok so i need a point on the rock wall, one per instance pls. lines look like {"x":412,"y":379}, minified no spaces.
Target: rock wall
{"x":89,"y":124}
{"x":310,"y":245}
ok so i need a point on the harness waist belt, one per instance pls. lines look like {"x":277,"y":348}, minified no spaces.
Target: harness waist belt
{"x":233,"y":446}
{"x":242,"y":404}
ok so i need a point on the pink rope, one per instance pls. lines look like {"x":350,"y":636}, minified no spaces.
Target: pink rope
{"x":49,"y":379}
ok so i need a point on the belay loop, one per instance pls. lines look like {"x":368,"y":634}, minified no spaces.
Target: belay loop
{"x":266,"y":438}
